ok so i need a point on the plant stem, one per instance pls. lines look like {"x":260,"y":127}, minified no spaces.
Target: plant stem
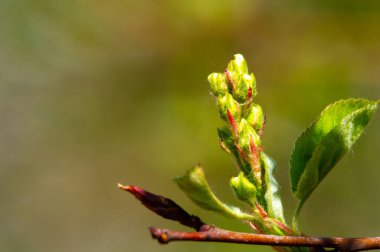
{"x":168,"y":209}
{"x":214,"y":234}
{"x":295,"y":217}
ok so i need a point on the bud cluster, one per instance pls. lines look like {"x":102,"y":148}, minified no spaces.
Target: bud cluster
{"x":234,"y":91}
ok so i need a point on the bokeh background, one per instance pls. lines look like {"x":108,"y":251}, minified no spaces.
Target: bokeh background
{"x":98,"y":92}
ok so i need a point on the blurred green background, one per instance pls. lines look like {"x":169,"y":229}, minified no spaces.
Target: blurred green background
{"x":93,"y":93}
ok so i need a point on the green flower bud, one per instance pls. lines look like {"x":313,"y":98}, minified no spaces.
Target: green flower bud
{"x":228,"y":102}
{"x":244,"y":189}
{"x":255,"y":116}
{"x":218,"y":84}
{"x":240,"y":82}
{"x":245,"y":133}
{"x":238,"y":65}
{"x":249,"y":80}
{"x":245,"y":82}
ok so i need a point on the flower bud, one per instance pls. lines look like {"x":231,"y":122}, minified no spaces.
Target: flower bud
{"x":255,"y":116}
{"x":228,"y":102}
{"x":238,"y":65}
{"x":239,"y":79}
{"x":245,"y":132}
{"x":218,"y":84}
{"x":244,"y":189}
{"x":245,"y":82}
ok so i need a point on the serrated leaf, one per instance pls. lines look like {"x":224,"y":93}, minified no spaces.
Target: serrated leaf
{"x":325,"y":142}
{"x":272,"y":189}
{"x":195,"y":185}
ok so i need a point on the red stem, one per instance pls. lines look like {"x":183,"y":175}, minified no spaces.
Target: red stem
{"x":214,"y":234}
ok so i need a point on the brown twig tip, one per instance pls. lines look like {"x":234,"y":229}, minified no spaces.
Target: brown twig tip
{"x":123,"y":187}
{"x":136,"y":191}
{"x":159,"y":235}
{"x":163,"y":207}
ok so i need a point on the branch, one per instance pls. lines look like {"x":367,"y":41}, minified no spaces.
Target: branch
{"x":214,"y":234}
{"x":168,"y":209}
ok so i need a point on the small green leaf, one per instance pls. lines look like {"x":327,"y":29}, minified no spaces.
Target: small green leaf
{"x":272,"y":189}
{"x":325,"y":142}
{"x":195,"y":185}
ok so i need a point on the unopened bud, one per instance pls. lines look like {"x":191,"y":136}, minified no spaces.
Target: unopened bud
{"x":228,"y":102}
{"x":238,"y":65}
{"x":255,"y":116}
{"x":246,"y":132}
{"x":244,"y":189}
{"x":218,"y":84}
{"x":245,"y":84}
{"x":237,"y":75}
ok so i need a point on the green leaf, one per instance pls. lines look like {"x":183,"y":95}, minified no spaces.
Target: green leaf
{"x":195,"y":185}
{"x":272,"y":189}
{"x":325,"y":142}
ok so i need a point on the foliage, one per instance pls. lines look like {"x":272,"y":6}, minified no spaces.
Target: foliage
{"x":315,"y":152}
{"x":324,"y":143}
